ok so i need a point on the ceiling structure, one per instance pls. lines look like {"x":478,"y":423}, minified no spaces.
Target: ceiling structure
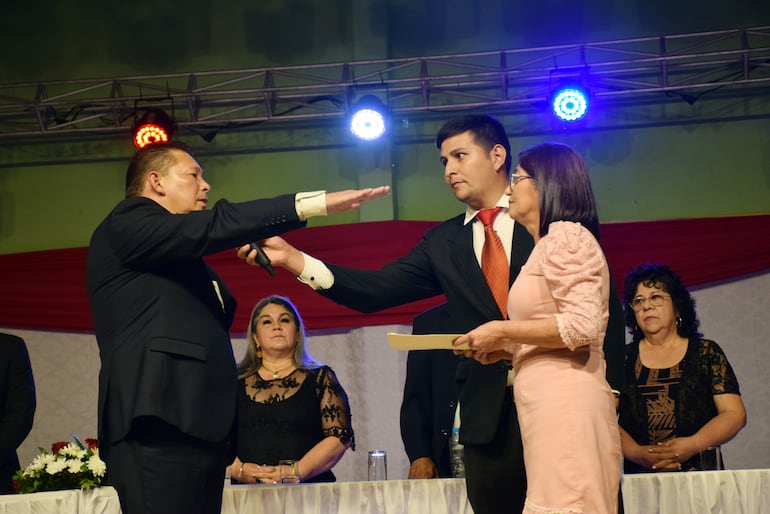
{"x":680,"y":70}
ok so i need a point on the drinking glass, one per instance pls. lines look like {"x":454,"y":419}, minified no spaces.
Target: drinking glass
{"x":378,"y":465}
{"x":711,"y":459}
{"x":288,"y":470}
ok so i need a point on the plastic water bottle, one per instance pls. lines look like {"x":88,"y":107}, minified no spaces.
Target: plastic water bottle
{"x":456,"y":454}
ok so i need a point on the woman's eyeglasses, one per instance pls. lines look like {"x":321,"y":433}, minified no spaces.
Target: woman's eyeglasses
{"x":516,"y":178}
{"x":656,"y":300}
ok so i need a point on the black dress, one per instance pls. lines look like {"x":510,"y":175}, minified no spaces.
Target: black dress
{"x":676,"y":401}
{"x":284,"y":418}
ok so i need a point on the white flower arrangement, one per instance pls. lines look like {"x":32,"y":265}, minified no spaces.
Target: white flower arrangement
{"x":66,"y":466}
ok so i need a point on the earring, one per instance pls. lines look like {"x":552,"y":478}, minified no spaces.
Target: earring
{"x":259,"y":352}
{"x":678,"y":322}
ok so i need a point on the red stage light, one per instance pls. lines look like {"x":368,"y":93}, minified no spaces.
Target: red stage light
{"x":154,"y":126}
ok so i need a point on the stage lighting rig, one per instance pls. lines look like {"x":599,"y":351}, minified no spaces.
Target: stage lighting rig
{"x":368,"y":118}
{"x":570,"y":102}
{"x":154,"y":126}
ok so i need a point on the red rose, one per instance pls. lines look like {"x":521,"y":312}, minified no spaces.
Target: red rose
{"x":92,"y":444}
{"x":57,"y":446}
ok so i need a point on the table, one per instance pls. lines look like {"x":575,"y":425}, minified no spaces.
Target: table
{"x":446,"y":496}
{"x":742,"y":491}
{"x":703,"y":492}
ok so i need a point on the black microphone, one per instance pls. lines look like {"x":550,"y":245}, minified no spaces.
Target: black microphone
{"x":262,"y":258}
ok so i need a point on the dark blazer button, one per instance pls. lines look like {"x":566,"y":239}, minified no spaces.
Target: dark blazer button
{"x":444,"y":431}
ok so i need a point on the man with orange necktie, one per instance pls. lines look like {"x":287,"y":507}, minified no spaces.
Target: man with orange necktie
{"x":476,"y":156}
{"x":494,"y":262}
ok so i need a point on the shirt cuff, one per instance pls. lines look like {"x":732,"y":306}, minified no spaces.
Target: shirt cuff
{"x":310,"y":204}
{"x":316,"y":274}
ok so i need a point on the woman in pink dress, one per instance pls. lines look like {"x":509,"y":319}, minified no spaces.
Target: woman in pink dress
{"x":558,"y":309}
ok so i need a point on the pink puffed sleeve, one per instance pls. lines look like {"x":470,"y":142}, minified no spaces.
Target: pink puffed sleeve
{"x":573,"y":265}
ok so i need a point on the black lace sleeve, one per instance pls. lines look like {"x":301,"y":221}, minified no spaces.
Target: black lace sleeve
{"x":723,"y":379}
{"x":335,"y":408}
{"x":706,"y":373}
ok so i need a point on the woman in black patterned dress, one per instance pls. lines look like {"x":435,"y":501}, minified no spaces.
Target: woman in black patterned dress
{"x":683,"y":395}
{"x":290,"y":406}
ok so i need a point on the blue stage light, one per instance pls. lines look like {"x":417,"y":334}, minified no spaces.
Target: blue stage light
{"x":570,"y":103}
{"x":368,"y":118}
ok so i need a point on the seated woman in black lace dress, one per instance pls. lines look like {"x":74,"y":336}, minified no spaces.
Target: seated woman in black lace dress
{"x":290,"y":406}
{"x":682,"y":393}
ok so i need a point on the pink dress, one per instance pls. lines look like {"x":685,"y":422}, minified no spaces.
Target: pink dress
{"x":565,"y":406}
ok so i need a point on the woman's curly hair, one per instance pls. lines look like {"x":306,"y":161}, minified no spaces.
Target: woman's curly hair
{"x":664,"y":278}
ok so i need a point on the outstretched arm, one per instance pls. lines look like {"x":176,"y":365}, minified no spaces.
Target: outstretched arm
{"x":350,"y":199}
{"x":283,"y":254}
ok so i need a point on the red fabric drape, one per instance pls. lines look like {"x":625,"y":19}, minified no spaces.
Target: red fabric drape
{"x":46,"y":290}
{"x":702,"y":251}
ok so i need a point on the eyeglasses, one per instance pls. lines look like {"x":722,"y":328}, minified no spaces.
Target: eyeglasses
{"x":656,"y":300}
{"x":516,"y":178}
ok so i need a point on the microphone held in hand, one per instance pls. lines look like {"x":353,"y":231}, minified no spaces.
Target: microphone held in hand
{"x":262,"y":259}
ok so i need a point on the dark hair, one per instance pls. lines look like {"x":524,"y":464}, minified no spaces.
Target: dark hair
{"x":563,"y":185}
{"x":251,"y":361}
{"x":486,"y":129}
{"x":662,"y":277}
{"x":157,"y":156}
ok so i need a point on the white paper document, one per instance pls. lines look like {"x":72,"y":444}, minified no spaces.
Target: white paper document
{"x":424,"y":342}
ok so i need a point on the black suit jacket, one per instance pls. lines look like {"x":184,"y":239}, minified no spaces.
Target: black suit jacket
{"x":430,"y":394}
{"x":17,"y":404}
{"x":444,"y":262}
{"x":162,"y":331}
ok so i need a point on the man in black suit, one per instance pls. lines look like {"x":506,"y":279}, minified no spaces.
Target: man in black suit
{"x":430,"y":400}
{"x":476,"y":156}
{"x":17,"y":405}
{"x":167,"y":384}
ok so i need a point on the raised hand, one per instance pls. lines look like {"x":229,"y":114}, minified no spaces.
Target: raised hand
{"x":352,"y":198}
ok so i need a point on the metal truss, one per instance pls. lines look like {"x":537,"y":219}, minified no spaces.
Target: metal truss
{"x":650,"y":70}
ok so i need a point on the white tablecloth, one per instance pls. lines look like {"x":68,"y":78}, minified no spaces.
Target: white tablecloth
{"x":705,"y":492}
{"x":384,"y":497}
{"x":743,"y":491}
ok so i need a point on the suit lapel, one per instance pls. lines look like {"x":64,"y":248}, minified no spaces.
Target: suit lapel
{"x":464,"y":260}
{"x":225,"y":309}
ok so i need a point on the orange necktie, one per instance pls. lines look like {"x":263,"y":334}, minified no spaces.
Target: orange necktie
{"x":494,"y":263}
